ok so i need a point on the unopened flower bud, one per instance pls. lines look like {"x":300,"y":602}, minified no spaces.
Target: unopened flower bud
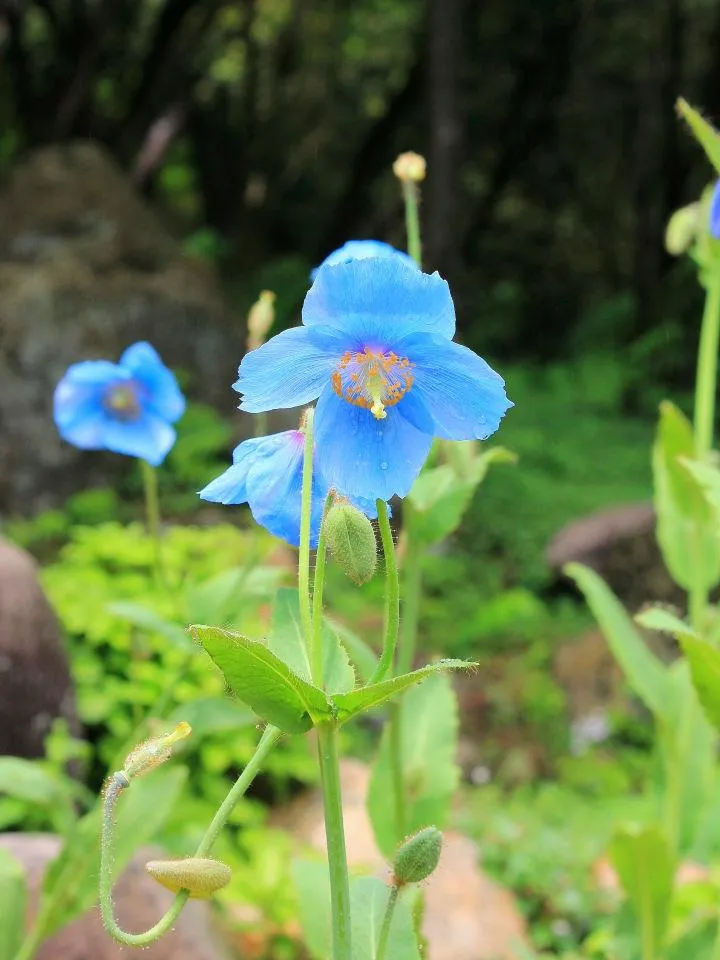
{"x":418,"y":856}
{"x":681,"y":229}
{"x":260,"y":319}
{"x":151,"y":753}
{"x":200,"y":876}
{"x":410,"y":167}
{"x":351,"y":541}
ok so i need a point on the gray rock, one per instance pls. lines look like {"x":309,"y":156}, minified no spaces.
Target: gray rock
{"x":85,"y":270}
{"x":35,"y":684}
{"x":139,"y":903}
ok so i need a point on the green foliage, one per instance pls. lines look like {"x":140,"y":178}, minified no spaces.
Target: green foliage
{"x":646,"y":867}
{"x":685,"y":532}
{"x":13,"y":904}
{"x":428,"y":720}
{"x":704,"y":661}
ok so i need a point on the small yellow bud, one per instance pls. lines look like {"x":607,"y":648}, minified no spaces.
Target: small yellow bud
{"x":200,"y":876}
{"x":682,"y":229}
{"x":260,"y":319}
{"x":151,"y":753}
{"x":351,"y":541}
{"x":410,"y":167}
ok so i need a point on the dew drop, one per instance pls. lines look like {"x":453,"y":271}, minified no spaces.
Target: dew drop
{"x":383,"y":465}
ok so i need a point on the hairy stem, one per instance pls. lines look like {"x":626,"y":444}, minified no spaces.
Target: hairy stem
{"x":334,"y":830}
{"x":392,"y":596}
{"x":387,"y":922}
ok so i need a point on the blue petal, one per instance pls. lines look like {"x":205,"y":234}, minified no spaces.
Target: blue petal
{"x":362,"y":250}
{"x":378,"y":301}
{"x":457,"y":389}
{"x":162,"y":393}
{"x":715,"y":211}
{"x":229,"y":487}
{"x":149,"y":437}
{"x":77,"y":403}
{"x":288,"y":370}
{"x":364,"y":457}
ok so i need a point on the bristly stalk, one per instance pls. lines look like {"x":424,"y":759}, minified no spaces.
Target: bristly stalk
{"x":335,"y":833}
{"x":392,"y":596}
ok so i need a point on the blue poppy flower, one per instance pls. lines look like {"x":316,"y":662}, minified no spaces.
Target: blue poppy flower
{"x":127,"y":407}
{"x":375,"y":350}
{"x":267,"y":475}
{"x":362,"y":250}
{"x":715,"y":211}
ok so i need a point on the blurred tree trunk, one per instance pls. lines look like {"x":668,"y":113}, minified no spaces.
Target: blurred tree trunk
{"x":442,"y":193}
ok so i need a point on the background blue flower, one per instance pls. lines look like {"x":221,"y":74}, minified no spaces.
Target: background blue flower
{"x":362,"y":250}
{"x":376,"y":351}
{"x":126,"y":407}
{"x":267,"y":475}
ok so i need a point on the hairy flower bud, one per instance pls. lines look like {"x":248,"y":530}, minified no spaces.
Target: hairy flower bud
{"x":418,"y":856}
{"x":351,"y":541}
{"x":151,"y":753}
{"x":681,"y":229}
{"x":260,"y":319}
{"x":410,"y":167}
{"x":200,"y":876}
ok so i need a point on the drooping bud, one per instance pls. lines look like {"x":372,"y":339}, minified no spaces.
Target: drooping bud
{"x":418,"y":856}
{"x":410,"y":167}
{"x":260,"y":319}
{"x":682,"y":229}
{"x":351,"y":541}
{"x":200,"y":876}
{"x":151,"y":753}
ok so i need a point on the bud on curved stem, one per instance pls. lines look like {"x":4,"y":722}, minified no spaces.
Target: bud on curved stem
{"x":200,"y":876}
{"x":151,"y":753}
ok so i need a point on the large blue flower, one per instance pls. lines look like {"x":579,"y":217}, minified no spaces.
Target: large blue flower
{"x":363,"y":250}
{"x":375,"y":350}
{"x":267,"y":475}
{"x":127,"y":407}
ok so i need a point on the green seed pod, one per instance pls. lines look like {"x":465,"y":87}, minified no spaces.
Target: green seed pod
{"x":351,"y":541}
{"x":201,"y":876}
{"x":682,"y":229}
{"x":417,"y":857}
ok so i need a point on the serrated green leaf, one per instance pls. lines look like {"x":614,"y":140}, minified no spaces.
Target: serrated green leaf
{"x":428,"y":746}
{"x":210,"y":715}
{"x":643,"y":670}
{"x":263,"y":681}
{"x":704,"y":133}
{"x":658,"y":618}
{"x":286,"y":641}
{"x":145,"y":619}
{"x":13,"y":904}
{"x":349,"y":705}
{"x":646,"y":868}
{"x":141,"y":813}
{"x":368,"y":901}
{"x":704,"y":661}
{"x":686,"y":532}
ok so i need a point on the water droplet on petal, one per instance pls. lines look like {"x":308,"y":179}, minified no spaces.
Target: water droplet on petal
{"x":383,"y":465}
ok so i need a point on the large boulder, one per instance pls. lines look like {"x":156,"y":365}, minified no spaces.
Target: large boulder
{"x":139,"y":903}
{"x":86,"y":269}
{"x":35,"y":685}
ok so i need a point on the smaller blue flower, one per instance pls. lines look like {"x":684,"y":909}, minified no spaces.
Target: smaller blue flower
{"x":715,"y":211}
{"x":267,"y":475}
{"x":363,"y":250}
{"x":126,"y":407}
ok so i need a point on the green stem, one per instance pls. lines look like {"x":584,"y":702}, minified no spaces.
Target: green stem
{"x":396,"y":766}
{"x":152,"y":513}
{"x":412,"y":220}
{"x":412,"y":580}
{"x":387,"y":923}
{"x":112,"y":791}
{"x":305,"y":518}
{"x":260,"y":424}
{"x":316,"y":650}
{"x":392,"y":596}
{"x":706,"y":381}
{"x":335,"y":833}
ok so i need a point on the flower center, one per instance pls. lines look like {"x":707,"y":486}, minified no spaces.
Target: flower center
{"x":372,"y":380}
{"x":121,"y":401}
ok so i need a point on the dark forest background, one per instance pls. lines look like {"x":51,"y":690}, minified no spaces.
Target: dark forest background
{"x":265,"y":131}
